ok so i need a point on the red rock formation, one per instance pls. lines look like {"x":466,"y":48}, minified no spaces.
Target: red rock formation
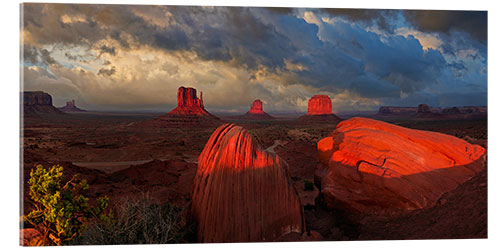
{"x":256,"y":112}
{"x":319,"y":105}
{"x":71,"y":107}
{"x":241,"y":192}
{"x":188,"y":103}
{"x":256,"y":107}
{"x":374,"y":167}
{"x":189,"y":111}
{"x":319,"y":110}
{"x":35,"y":102}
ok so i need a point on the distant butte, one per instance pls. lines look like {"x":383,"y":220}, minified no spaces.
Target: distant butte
{"x":319,"y":109}
{"x":256,"y":112}
{"x":189,"y":111}
{"x":36,"y":102}
{"x":71,"y":107}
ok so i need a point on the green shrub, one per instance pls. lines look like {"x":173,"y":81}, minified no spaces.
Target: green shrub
{"x":308,"y":186}
{"x":61,"y":211}
{"x":137,"y":221}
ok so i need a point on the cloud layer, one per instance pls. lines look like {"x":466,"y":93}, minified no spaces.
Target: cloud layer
{"x":111,"y":57}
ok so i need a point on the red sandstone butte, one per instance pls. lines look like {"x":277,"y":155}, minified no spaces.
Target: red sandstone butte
{"x":256,"y":112}
{"x":376,"y":167}
{"x":319,"y":109}
{"x":256,"y":107}
{"x":189,"y":111}
{"x":241,"y":192}
{"x":319,"y":105}
{"x":188,"y":103}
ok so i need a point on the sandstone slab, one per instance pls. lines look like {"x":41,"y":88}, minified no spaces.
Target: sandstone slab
{"x":374,"y":167}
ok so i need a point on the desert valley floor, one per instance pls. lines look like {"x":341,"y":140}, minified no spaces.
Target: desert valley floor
{"x":122,"y":155}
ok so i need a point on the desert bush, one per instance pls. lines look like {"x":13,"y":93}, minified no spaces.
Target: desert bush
{"x":61,"y":211}
{"x":137,"y":221}
{"x":308,"y":185}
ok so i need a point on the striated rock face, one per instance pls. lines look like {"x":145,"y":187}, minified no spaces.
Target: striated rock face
{"x":256,"y":112}
{"x":241,"y":192}
{"x":189,"y":111}
{"x":71,"y":107}
{"x":375,"y":167}
{"x":319,"y":105}
{"x":35,"y":102}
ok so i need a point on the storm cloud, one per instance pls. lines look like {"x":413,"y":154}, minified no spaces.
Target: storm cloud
{"x":361,"y":58}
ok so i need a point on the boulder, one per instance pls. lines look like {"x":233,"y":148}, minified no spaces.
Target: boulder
{"x":375,"y":167}
{"x":319,"y":105}
{"x":71,"y":107}
{"x":35,"y":102}
{"x":241,"y":192}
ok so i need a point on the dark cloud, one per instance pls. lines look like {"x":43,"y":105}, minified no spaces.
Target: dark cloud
{"x":474,"y":23}
{"x":334,"y":58}
{"x":380,"y":17}
{"x":34,"y":55}
{"x":107,"y":72}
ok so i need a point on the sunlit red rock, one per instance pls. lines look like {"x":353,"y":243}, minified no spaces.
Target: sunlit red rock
{"x":35,"y":102}
{"x":256,"y":112}
{"x":374,"y":167}
{"x":319,"y":105}
{"x":188,"y":103}
{"x":243,"y":193}
{"x":319,"y":110}
{"x":256,"y":107}
{"x":71,"y":107}
{"x":189,"y":111}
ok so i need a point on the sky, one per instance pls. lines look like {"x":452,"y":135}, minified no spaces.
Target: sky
{"x":132,"y":57}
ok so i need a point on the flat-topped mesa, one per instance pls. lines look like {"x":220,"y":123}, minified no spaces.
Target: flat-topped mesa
{"x":241,"y":192}
{"x":394,"y":110}
{"x":319,"y":105}
{"x":71,"y":107}
{"x":38,"y":102}
{"x":376,"y":167}
{"x":319,"y":110}
{"x":256,"y":107}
